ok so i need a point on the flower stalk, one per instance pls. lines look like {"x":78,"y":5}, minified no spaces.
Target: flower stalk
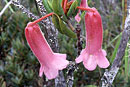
{"x":40,"y":19}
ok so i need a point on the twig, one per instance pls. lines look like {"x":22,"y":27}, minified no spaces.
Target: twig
{"x":37,"y":8}
{"x":11,"y":9}
{"x":30,"y":15}
{"x":83,"y":37}
{"x":24,"y":10}
{"x":40,"y":5}
{"x":48,"y":23}
{"x":124,"y":12}
{"x":70,"y":73}
{"x":6,"y":6}
{"x":60,"y":80}
{"x":110,"y":74}
{"x":72,"y":65}
{"x":79,"y":44}
{"x":70,"y":25}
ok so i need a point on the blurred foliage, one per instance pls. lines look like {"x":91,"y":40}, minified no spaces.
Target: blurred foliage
{"x":19,"y":67}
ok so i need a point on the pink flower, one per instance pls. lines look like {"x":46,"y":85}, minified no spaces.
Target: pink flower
{"x":50,"y":62}
{"x":93,"y":54}
{"x":83,"y":4}
{"x":77,"y":17}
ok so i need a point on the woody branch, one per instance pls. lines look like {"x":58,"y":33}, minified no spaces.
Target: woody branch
{"x":110,"y":74}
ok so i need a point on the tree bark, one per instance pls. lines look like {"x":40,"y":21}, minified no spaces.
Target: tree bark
{"x":110,"y":74}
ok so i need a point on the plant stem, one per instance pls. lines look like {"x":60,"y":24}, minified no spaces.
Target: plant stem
{"x":11,"y":9}
{"x":24,"y":10}
{"x":40,"y":19}
{"x":72,"y":65}
{"x":6,"y":6}
{"x":85,"y":9}
{"x":41,"y":7}
{"x":110,"y":74}
{"x":70,"y":25}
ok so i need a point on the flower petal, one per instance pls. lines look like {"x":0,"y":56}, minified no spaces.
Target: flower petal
{"x":102,"y":61}
{"x":51,"y":70}
{"x":50,"y":73}
{"x":60,"y":61}
{"x":84,"y":3}
{"x":104,"y":52}
{"x":90,"y":62}
{"x":77,"y":17}
{"x":81,"y":56}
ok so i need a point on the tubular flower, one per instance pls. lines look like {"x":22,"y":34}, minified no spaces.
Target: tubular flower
{"x":93,"y":54}
{"x":50,"y":62}
{"x":83,"y":4}
{"x":77,"y":17}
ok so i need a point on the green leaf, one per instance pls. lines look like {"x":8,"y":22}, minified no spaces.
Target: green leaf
{"x":79,"y":2}
{"x":118,"y":36}
{"x":68,"y":32}
{"x":60,"y":1}
{"x":47,"y":6}
{"x":61,"y":26}
{"x":82,"y":15}
{"x":17,"y":80}
{"x":72,"y":9}
{"x":56,"y":6}
{"x":55,"y":20}
{"x":90,"y":86}
{"x":126,"y":60}
{"x":50,"y":3}
{"x":4,"y":84}
{"x":116,"y":48}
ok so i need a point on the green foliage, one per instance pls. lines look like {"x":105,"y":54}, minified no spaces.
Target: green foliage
{"x":61,"y":26}
{"x":47,"y":6}
{"x":56,"y":6}
{"x":19,"y":67}
{"x":118,"y":37}
{"x":17,"y":63}
{"x":73,"y":10}
{"x":56,"y":19}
